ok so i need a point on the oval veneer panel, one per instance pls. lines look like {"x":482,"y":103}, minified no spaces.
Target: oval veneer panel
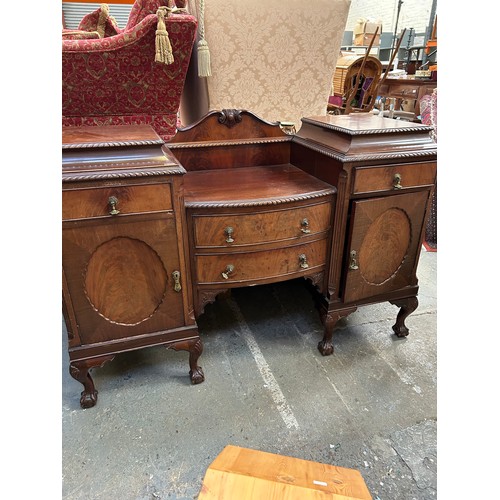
{"x":385,"y":246}
{"x":125,"y":281}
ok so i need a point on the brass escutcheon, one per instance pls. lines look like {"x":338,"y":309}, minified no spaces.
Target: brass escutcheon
{"x":305,"y":226}
{"x":229,"y":233}
{"x":228,"y":271}
{"x":397,"y":181}
{"x":353,"y":264}
{"x":303,"y":261}
{"x":176,"y":275}
{"x":113,"y":201}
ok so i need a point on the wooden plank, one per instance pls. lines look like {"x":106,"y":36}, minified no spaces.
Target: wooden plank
{"x":249,"y":474}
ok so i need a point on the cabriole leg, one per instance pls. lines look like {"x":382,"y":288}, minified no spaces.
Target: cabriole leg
{"x":195,"y":348}
{"x":407,"y":306}
{"x":80,"y":371}
{"x":330,"y":320}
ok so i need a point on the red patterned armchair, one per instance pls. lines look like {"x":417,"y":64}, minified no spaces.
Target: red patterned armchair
{"x":130,"y":76}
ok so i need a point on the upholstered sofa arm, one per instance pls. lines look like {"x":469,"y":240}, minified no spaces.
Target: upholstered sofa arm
{"x":117,"y":41}
{"x":129,"y":37}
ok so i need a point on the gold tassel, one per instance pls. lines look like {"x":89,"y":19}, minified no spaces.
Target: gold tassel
{"x":103,"y":16}
{"x":204,"y":66}
{"x":163,"y":48}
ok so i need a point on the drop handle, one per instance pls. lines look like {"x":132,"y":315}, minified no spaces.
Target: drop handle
{"x":397,"y":182}
{"x":353,"y":264}
{"x":229,"y":234}
{"x":229,"y":270}
{"x":305,"y":226}
{"x":112,"y":202}
{"x":176,"y":275}
{"x":303,"y":261}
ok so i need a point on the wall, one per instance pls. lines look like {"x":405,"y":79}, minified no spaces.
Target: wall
{"x":414,"y":14}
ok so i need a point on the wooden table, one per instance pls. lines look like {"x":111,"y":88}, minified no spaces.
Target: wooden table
{"x":407,"y":89}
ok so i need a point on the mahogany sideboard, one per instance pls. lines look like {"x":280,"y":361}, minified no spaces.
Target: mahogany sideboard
{"x":126,"y":284}
{"x":236,"y":201}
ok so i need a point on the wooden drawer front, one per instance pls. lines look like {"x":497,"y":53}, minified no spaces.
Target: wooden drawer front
{"x":374,"y":179}
{"x":282,"y":263}
{"x":263,"y":227}
{"x":94,"y":202}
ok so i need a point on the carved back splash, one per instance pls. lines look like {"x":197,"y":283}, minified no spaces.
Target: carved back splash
{"x":230,"y":138}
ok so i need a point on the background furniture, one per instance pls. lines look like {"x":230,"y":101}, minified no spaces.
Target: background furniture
{"x":115,"y":80}
{"x":274,"y":58}
{"x":125,"y":281}
{"x":428,"y":110}
{"x":407,"y":89}
{"x":352,"y":70}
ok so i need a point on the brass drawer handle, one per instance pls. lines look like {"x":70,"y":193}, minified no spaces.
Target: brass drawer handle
{"x":303,"y":261}
{"x":177,"y":281}
{"x":229,"y":234}
{"x":353,"y":264}
{"x":228,"y":271}
{"x":112,"y":202}
{"x":397,"y":182}
{"x":305,"y":226}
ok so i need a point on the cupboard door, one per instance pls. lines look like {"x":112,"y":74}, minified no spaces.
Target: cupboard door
{"x":385,"y":240}
{"x":121,"y":278}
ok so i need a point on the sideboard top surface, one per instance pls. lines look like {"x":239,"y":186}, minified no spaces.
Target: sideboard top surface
{"x":247,"y":186}
{"x":108,"y":135}
{"x":365,"y":124}
{"x":361,"y":137}
{"x":114,"y":152}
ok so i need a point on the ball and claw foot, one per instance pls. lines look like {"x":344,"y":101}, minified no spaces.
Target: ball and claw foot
{"x":88,"y":400}
{"x":407,"y":306}
{"x":197,"y":376}
{"x":401,"y":331}
{"x":325,"y":347}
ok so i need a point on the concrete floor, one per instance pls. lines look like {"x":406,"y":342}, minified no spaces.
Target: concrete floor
{"x":370,"y":406}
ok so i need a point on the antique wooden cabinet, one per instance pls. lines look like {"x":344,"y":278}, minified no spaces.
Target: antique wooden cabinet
{"x":385,"y":172}
{"x":153,"y":232}
{"x":126,"y":284}
{"x":252,"y":216}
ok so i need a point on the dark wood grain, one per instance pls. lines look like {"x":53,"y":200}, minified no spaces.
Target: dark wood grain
{"x":378,"y":216}
{"x":120,"y":292}
{"x":256,"y":185}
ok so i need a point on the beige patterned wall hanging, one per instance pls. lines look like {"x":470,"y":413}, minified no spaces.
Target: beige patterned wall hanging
{"x":274,"y":58}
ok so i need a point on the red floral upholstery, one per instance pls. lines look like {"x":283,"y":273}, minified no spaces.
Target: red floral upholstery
{"x":116,"y":81}
{"x":143,"y":8}
{"x":139,"y":11}
{"x":428,"y":111}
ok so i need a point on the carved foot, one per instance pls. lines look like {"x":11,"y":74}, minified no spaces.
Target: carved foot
{"x":330,"y":319}
{"x":195,"y":348}
{"x":197,"y":376}
{"x":325,"y":347}
{"x":80,"y":371}
{"x":407,"y":306}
